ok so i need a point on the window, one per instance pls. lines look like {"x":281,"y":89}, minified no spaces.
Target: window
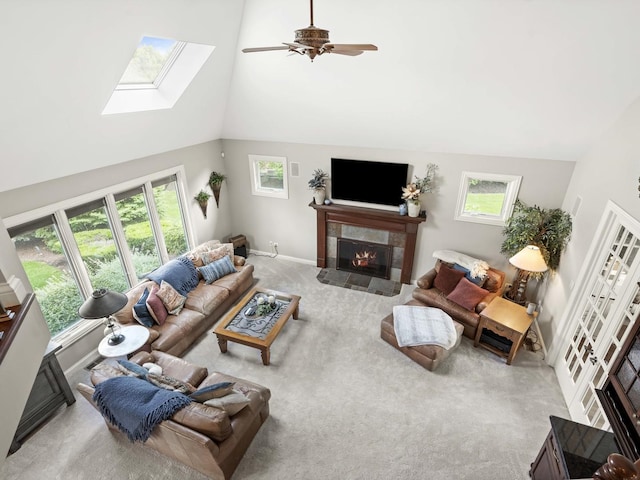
{"x":111,"y":241}
{"x":44,"y":260}
{"x":269,"y":176}
{"x":157,"y":75}
{"x":487,"y":197}
{"x":150,"y":63}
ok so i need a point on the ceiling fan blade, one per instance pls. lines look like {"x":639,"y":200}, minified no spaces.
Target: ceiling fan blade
{"x":264,"y":49}
{"x":350,"y":46}
{"x":351,"y":53}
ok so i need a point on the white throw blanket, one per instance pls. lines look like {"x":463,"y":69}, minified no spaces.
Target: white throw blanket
{"x":423,"y":326}
{"x":477,"y":268}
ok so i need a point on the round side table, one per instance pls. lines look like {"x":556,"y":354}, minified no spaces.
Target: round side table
{"x":135,"y":336}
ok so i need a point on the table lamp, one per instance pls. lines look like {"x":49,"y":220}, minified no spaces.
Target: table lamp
{"x":103,"y":303}
{"x":527,"y":260}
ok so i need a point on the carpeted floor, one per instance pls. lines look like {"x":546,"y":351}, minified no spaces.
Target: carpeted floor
{"x":345,"y":405}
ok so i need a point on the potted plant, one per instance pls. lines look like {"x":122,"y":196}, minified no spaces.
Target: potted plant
{"x":549,"y":230}
{"x":203,"y":200}
{"x":318,"y":183}
{"x":411,"y":193}
{"x":215,"y":183}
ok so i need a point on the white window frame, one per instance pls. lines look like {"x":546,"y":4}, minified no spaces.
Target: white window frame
{"x":174,"y":82}
{"x":510,"y":197}
{"x":256,"y":188}
{"x":58,"y":210}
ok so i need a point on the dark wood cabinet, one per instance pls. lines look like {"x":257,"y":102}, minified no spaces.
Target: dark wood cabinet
{"x":620,"y":395}
{"x":572,"y":451}
{"x":50,"y":390}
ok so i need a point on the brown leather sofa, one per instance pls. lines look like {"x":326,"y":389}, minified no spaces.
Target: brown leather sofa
{"x":204,"y":305}
{"x":427,"y":294}
{"x":202,"y":437}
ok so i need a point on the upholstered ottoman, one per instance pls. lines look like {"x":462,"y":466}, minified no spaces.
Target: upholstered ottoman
{"x":428,"y":356}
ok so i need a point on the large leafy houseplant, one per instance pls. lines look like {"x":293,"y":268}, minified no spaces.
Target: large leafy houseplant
{"x":548,"y":229}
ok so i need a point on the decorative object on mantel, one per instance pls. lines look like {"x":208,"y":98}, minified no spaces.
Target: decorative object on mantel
{"x":203,"y":200}
{"x":215,"y":183}
{"x":318,"y":183}
{"x":411,"y":193}
{"x":549,"y":230}
{"x":527,"y":260}
{"x":102,"y":304}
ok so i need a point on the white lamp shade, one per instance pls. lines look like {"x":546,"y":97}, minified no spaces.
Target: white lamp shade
{"x":529,"y":259}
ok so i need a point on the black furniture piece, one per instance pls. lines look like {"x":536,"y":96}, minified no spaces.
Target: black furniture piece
{"x":572,"y":451}
{"x":620,"y":395}
{"x":50,"y":390}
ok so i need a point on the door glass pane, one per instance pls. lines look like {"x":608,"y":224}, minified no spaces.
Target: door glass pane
{"x":134,"y":217}
{"x":165,"y":194}
{"x":92,"y":232}
{"x":51,"y":278}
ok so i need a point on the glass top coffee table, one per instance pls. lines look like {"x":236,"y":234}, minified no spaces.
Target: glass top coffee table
{"x":257,"y":320}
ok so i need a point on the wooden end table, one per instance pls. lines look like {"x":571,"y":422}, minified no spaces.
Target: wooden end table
{"x":259,"y":331}
{"x":502,"y":328}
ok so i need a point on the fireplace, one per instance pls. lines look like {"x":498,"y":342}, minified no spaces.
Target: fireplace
{"x":363,"y":224}
{"x":366,"y":258}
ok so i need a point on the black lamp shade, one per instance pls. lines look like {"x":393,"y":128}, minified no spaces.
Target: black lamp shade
{"x":102,"y":303}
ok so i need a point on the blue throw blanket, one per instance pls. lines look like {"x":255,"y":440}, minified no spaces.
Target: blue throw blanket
{"x":135,"y":406}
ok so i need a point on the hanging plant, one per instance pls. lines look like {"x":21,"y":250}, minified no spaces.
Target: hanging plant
{"x":548,"y":229}
{"x":203,"y":200}
{"x":215,"y":183}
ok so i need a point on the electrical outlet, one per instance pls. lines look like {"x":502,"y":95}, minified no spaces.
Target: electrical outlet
{"x":275,"y":244}
{"x":271,"y":243}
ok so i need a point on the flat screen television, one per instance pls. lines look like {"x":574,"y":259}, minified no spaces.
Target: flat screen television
{"x":368,"y":182}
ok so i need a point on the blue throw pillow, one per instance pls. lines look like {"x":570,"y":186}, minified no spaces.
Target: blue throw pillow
{"x":134,"y":368}
{"x":218,"y":269}
{"x":467,"y":274}
{"x":141,"y":312}
{"x":179,"y":272}
{"x":216,"y":390}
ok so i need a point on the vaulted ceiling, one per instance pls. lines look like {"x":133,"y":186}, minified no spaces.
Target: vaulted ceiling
{"x":522,"y":78}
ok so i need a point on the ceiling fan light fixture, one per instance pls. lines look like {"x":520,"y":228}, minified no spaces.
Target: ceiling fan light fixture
{"x":313,"y":41}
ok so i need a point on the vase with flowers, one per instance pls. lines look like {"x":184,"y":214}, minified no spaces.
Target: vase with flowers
{"x":318,"y":183}
{"x":411,"y":193}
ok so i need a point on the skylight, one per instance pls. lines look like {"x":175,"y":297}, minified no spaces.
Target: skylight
{"x":150,"y":63}
{"x":157,"y":75}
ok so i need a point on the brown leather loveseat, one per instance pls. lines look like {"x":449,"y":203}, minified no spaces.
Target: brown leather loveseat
{"x":206,"y":438}
{"x":428,"y":294}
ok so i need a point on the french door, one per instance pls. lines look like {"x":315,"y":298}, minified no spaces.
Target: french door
{"x":601,"y":312}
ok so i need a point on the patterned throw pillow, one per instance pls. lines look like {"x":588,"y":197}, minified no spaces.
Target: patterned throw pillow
{"x":155,"y":306}
{"x":172,"y":300}
{"x":218,"y":269}
{"x":479,"y":280}
{"x":213,"y":255}
{"x":216,"y":390}
{"x":141,"y":312}
{"x":232,"y":403}
{"x":170,"y":383}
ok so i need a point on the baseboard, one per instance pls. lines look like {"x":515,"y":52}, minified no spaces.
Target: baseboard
{"x":283,"y":257}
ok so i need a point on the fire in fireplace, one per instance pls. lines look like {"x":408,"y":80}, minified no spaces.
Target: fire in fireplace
{"x":366,"y":258}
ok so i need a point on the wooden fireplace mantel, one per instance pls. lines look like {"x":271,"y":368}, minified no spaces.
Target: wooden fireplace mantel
{"x":368,"y":218}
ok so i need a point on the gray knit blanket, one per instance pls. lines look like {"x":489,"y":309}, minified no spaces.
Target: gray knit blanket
{"x":135,"y":406}
{"x":415,"y":325}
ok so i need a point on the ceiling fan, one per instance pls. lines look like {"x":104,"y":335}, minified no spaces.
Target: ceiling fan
{"x":314,"y":41}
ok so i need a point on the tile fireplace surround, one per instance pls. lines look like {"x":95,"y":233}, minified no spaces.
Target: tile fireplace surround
{"x":368,"y":225}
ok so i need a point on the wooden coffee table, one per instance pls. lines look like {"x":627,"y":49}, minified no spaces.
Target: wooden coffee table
{"x":257,"y":331}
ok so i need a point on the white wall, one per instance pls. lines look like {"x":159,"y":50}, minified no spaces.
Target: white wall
{"x":198,"y":160}
{"x":609,"y":172}
{"x":292,"y":223}
{"x":20,"y":365}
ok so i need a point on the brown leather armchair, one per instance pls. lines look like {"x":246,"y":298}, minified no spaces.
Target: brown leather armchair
{"x":202,"y":437}
{"x":427,"y":294}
